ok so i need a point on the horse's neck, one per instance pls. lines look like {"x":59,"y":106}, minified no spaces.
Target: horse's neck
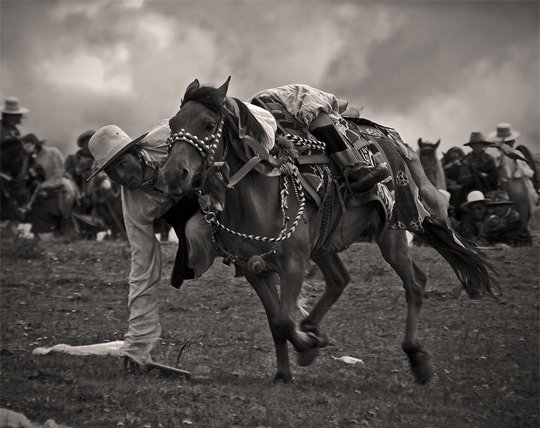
{"x":253,"y":193}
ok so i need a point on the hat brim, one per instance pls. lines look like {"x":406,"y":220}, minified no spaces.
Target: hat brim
{"x":21,"y":110}
{"x":486,"y":143}
{"x":500,"y":203}
{"x":513,"y":135}
{"x":116,"y":156}
{"x":465,"y":205}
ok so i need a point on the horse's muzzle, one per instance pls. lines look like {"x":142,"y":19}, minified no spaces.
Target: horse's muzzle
{"x":177,"y":180}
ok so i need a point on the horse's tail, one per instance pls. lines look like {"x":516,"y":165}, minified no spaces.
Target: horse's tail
{"x":470,"y":266}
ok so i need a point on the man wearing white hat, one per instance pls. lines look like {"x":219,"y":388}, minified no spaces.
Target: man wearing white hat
{"x":12,"y":115}
{"x":473,"y":221}
{"x":136,"y":165}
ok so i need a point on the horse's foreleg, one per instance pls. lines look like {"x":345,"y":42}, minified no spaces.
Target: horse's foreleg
{"x":393,"y":245}
{"x":265,"y":287}
{"x":291,"y":280}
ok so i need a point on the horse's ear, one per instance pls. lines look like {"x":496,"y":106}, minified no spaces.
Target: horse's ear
{"x":420,"y":142}
{"x":222,"y":90}
{"x":437,"y":143}
{"x":192,"y":87}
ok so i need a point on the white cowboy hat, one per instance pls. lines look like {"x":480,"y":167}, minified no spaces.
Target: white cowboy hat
{"x":474,"y":196}
{"x":107,"y":144}
{"x":12,"y":106}
{"x":504,"y":133}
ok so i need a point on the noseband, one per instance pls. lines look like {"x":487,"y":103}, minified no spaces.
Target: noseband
{"x":206,"y":147}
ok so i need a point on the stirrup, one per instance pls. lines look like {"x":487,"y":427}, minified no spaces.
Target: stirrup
{"x":367,"y":178}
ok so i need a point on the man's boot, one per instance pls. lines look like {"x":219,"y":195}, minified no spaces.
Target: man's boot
{"x":358,"y":175}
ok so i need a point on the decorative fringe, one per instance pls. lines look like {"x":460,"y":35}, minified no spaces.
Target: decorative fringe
{"x":470,"y":266}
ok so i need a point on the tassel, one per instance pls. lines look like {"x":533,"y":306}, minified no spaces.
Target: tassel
{"x":256,"y":264}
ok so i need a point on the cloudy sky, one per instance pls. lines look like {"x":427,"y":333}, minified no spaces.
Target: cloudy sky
{"x":430,"y":69}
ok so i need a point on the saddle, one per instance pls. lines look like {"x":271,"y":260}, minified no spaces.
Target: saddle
{"x":319,"y":177}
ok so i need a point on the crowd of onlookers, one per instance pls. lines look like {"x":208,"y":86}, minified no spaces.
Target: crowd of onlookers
{"x":492,"y":195}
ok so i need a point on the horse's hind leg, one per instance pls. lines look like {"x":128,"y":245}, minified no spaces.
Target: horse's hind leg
{"x":393,"y":245}
{"x":265,"y":288}
{"x":336,"y":278}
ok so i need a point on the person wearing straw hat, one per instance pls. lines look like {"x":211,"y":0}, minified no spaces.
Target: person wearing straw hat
{"x":12,"y":115}
{"x":473,"y":220}
{"x":478,"y":169}
{"x":515,"y":173}
{"x":136,"y":165}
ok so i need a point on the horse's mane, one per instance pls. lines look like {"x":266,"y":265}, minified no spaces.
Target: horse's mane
{"x":212,"y":100}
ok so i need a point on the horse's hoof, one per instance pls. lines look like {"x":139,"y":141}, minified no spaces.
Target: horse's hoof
{"x":319,"y":339}
{"x":282,"y":378}
{"x":307,"y":357}
{"x":421,"y":367}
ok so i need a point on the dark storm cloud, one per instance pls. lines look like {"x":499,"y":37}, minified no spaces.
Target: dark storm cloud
{"x":432,"y":69}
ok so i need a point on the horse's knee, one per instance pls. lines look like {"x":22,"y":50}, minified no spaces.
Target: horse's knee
{"x":414,"y":293}
{"x":282,"y":325}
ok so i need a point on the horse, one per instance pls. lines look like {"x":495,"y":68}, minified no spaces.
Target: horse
{"x":17,"y":184}
{"x":252,"y":225}
{"x":427,"y":152}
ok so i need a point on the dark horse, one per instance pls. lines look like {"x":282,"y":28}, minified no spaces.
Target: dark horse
{"x":17,"y":185}
{"x":253,"y":227}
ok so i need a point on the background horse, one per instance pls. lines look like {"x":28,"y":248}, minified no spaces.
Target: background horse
{"x":269,"y":230}
{"x":427,"y":152}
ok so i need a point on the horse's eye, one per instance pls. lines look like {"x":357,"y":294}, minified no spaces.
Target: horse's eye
{"x":210,"y":126}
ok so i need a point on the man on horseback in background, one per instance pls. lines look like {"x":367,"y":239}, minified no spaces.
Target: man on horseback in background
{"x":12,"y":116}
{"x":478,"y":170}
{"x":504,"y":139}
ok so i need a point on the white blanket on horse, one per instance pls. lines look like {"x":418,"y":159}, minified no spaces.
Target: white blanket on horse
{"x":107,"y":348}
{"x":305,"y":102}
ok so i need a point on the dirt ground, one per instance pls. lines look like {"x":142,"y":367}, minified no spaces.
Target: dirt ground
{"x":485,"y":354}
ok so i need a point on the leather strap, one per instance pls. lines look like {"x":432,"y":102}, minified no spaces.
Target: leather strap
{"x":309,"y":159}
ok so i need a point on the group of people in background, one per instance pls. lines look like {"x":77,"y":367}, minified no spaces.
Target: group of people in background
{"x":59,"y":198}
{"x":492,"y":196}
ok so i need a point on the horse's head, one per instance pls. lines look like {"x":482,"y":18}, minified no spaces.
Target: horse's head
{"x":196,"y":135}
{"x":427,"y":148}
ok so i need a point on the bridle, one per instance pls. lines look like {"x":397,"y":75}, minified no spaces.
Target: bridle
{"x":207,"y":148}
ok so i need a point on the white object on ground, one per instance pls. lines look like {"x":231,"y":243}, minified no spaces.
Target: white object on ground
{"x":349,"y":360}
{"x":107,"y":348}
